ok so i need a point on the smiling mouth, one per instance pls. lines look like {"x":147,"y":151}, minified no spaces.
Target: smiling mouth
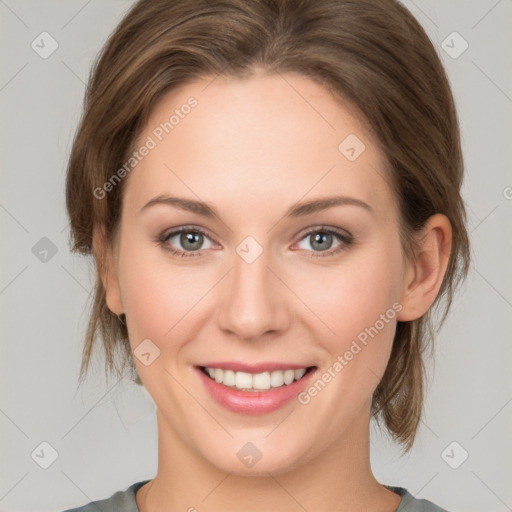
{"x":264,"y":381}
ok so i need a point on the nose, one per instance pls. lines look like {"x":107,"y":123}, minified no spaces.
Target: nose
{"x":254,"y":302}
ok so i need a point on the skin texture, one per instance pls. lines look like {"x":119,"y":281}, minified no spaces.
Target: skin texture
{"x":253,"y":148}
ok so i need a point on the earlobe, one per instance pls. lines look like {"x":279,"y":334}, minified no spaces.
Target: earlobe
{"x":103,"y":254}
{"x":424,"y":275}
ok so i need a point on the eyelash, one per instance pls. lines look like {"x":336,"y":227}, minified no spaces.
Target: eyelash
{"x":346,"y":239}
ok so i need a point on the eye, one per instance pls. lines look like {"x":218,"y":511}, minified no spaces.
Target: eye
{"x":321,"y":240}
{"x":191,"y":239}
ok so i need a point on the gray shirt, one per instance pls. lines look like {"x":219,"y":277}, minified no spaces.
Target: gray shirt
{"x":124,"y":501}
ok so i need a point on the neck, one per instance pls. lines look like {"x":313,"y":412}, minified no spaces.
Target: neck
{"x":338,"y":478}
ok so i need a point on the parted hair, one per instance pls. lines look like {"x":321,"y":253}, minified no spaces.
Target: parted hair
{"x":371,"y":54}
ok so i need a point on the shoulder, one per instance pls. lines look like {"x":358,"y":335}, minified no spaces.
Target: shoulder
{"x":411,"y":504}
{"x":121,"y":501}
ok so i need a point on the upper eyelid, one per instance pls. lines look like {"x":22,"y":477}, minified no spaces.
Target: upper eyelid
{"x":331,"y":229}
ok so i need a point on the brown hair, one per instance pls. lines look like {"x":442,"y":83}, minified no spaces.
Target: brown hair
{"x":371,"y":53}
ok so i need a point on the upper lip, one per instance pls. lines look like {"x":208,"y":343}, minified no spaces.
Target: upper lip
{"x":254,"y":368}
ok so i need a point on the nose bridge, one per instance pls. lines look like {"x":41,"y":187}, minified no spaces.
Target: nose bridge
{"x":253,"y":300}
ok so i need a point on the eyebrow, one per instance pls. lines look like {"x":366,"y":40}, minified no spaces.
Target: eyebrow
{"x":296,"y":210}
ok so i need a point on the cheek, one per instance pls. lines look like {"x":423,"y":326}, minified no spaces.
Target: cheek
{"x":357,"y":304}
{"x":158,"y":297}
{"x":355,"y":294}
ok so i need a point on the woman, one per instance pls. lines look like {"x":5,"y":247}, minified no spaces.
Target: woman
{"x":222,"y":144}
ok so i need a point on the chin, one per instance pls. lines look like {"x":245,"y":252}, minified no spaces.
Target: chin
{"x":255,"y":459}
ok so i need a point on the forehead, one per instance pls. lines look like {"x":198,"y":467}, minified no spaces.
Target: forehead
{"x":252,"y":140}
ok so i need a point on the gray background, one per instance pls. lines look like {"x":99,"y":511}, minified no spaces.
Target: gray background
{"x":105,"y":433}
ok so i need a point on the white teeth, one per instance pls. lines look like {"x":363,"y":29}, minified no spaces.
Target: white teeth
{"x":276,"y":379}
{"x":242,"y":380}
{"x":289,"y":375}
{"x":255,"y":382}
{"x":261,"y":381}
{"x":299,"y":373}
{"x":229,"y":378}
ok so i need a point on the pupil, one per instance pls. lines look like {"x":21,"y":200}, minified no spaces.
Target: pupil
{"x":318,"y":237}
{"x":189,"y":238}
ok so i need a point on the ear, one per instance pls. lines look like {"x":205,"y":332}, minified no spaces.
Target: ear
{"x":424,"y":275}
{"x":105,"y":260}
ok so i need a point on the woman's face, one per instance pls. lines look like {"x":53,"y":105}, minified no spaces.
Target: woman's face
{"x":270,"y":283}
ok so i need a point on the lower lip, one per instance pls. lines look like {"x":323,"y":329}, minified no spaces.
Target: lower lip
{"x":254,"y":402}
